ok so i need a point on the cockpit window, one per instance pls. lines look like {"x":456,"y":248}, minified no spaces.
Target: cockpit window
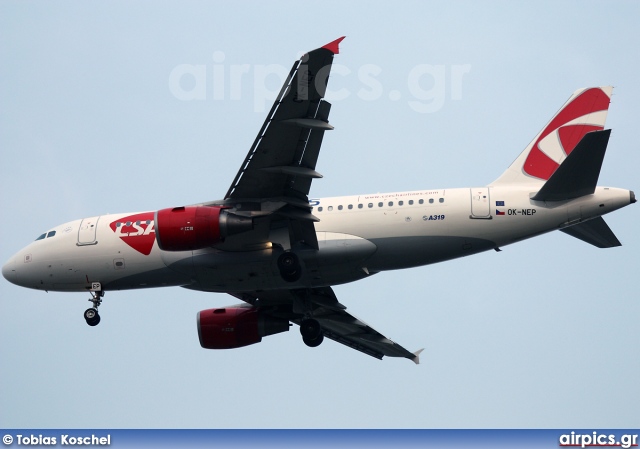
{"x":46,"y":235}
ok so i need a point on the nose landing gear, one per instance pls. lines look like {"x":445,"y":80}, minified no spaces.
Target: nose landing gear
{"x":91,"y":315}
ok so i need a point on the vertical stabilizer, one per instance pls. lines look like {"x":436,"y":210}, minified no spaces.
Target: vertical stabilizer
{"x":585,"y":111}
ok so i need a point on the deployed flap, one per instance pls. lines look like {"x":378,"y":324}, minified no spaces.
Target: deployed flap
{"x":337,"y":324}
{"x":345,"y":328}
{"x":280,"y":165}
{"x":282,"y":159}
{"x":596,"y":232}
{"x":578,"y":174}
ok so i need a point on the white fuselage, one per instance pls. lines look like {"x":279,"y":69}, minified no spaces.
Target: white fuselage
{"x":357,"y":236}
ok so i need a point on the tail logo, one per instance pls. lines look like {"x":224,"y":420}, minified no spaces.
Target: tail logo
{"x":565,"y":130}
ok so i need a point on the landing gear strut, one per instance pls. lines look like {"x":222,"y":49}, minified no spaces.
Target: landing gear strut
{"x":311,"y":332}
{"x":91,"y":315}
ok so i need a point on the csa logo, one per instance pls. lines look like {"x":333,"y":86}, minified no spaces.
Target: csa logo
{"x":137,"y":231}
{"x":569,"y":125}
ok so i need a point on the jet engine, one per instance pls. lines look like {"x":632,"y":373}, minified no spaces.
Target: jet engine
{"x":234,"y":327}
{"x":194,"y":227}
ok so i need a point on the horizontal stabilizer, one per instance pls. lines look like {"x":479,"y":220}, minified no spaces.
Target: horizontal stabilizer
{"x":596,"y":232}
{"x":578,"y":174}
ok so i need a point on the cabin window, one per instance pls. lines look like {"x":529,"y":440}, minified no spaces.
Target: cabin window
{"x":441,"y":200}
{"x":320,"y":209}
{"x":360,"y":206}
{"x":410,"y":202}
{"x":421,"y":201}
{"x":330,"y":208}
{"x":370,"y":205}
{"x":350,"y":206}
{"x":400,"y":203}
{"x":390,"y":203}
{"x":340,"y":207}
{"x":430,"y":200}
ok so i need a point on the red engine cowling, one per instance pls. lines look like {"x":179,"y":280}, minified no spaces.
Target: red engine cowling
{"x":194,"y":227}
{"x":234,"y":327}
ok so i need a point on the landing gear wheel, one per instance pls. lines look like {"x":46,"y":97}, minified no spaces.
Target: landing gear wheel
{"x":95,"y":322}
{"x":315,"y":342}
{"x":92,"y":316}
{"x":310,"y":330}
{"x":289,"y":267}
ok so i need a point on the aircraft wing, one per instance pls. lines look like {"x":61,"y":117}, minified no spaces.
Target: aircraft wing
{"x":337,"y":324}
{"x":275,"y":177}
{"x":272,"y":187}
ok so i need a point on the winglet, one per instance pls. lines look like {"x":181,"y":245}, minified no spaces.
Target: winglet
{"x":416,"y":356}
{"x":333,"y":46}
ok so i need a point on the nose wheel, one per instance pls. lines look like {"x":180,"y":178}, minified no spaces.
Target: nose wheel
{"x":91,"y":315}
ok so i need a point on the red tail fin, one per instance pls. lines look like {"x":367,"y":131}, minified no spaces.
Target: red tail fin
{"x":585,"y":111}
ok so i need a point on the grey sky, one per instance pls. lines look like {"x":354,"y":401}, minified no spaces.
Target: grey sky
{"x":543,"y":334}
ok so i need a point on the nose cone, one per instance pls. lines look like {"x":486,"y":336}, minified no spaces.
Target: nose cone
{"x":9,"y":271}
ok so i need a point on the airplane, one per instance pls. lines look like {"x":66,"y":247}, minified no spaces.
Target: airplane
{"x":280,"y":252}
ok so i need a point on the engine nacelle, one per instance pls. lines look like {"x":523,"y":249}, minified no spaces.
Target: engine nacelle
{"x":195,"y":227}
{"x":234,"y":327}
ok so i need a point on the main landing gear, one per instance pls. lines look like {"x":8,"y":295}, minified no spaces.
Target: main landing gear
{"x":91,"y":315}
{"x":289,"y":266}
{"x":311,"y":332}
